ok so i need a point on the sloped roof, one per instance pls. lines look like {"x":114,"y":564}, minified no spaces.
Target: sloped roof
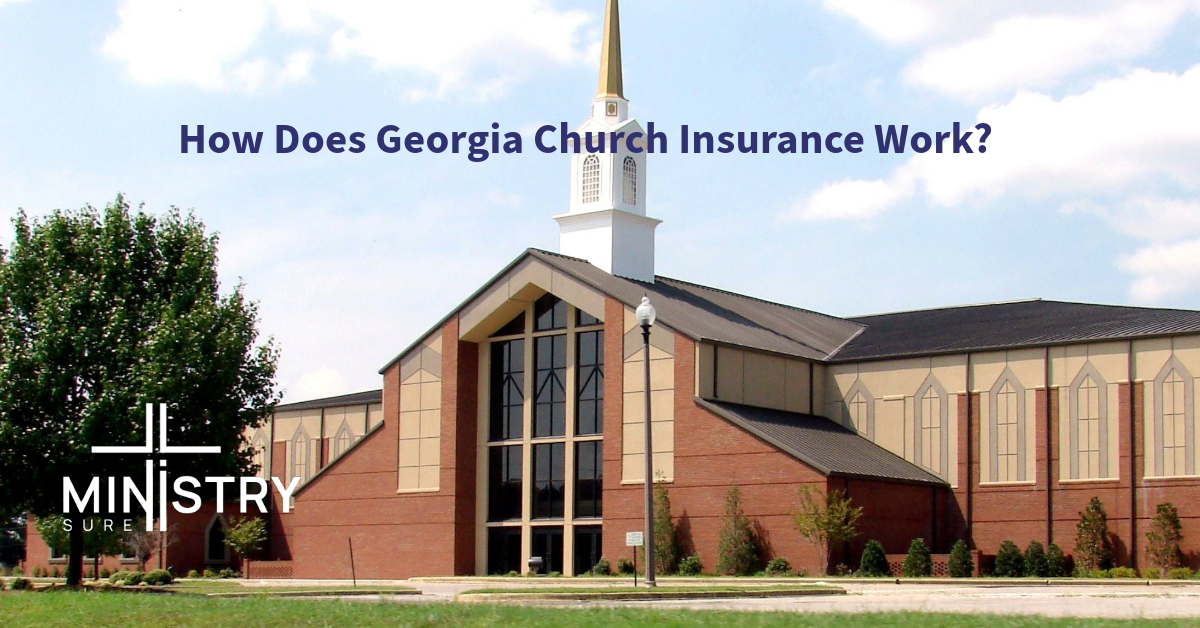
{"x":1008,"y":326}
{"x":822,"y":444}
{"x":353,"y":399}
{"x":718,"y":316}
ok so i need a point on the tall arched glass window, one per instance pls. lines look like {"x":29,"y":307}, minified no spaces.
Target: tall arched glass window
{"x":1174,"y":436}
{"x":931,"y":438}
{"x":591,"y":179}
{"x":858,"y":412}
{"x":629,"y":194}
{"x":343,"y":440}
{"x":301,"y":455}
{"x":1088,"y":400}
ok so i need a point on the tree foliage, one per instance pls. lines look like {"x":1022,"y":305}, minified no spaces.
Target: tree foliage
{"x":873,"y":563}
{"x":1093,"y":545}
{"x":1010,"y":562}
{"x":246,"y":536}
{"x":737,"y":547}
{"x":919,"y":562}
{"x":101,"y":312}
{"x":98,"y":541}
{"x":825,"y":519}
{"x":666,"y":544}
{"x":1164,"y":538}
{"x":1036,"y":563}
{"x":1057,"y":564}
{"x":961,"y":564}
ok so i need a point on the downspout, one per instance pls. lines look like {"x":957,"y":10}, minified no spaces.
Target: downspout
{"x":811,"y":388}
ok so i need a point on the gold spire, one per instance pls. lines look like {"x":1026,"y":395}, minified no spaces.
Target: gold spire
{"x":611,"y":83}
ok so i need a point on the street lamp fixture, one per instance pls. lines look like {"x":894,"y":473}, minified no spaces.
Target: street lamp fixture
{"x":646,"y":316}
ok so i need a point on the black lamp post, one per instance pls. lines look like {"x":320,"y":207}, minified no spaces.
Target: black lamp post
{"x":645,"y":317}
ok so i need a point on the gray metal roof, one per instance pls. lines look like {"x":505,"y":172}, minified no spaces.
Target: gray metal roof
{"x":718,"y":316}
{"x":822,"y":444}
{"x":1006,"y":326}
{"x":353,"y":399}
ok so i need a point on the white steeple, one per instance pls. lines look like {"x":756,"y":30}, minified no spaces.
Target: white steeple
{"x":607,"y":223}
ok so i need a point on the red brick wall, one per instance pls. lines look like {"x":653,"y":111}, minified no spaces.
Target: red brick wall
{"x":395,"y":535}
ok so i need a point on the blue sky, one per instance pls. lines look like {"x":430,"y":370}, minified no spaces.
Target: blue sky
{"x":1090,"y":189}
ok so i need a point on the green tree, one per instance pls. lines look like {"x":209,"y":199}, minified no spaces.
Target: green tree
{"x":961,"y":564}
{"x":918,"y":563}
{"x":101,"y":312}
{"x":825,"y":519}
{"x":1093,"y":546}
{"x":737,"y":547}
{"x":1056,"y":562}
{"x":1164,"y":538}
{"x":666,"y":545}
{"x":97,"y":540}
{"x":1037,"y":565}
{"x":1010,"y":563}
{"x":245,"y":537}
{"x":873,"y":563}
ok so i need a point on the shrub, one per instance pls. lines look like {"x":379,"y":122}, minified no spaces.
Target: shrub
{"x":826,"y":520}
{"x":105,"y":573}
{"x":21,"y":584}
{"x":737,"y":549}
{"x":1036,"y":563}
{"x":1179,"y":573}
{"x":158,"y":577}
{"x":779,"y":566}
{"x":918,"y":563}
{"x":192,"y":573}
{"x":690,"y":565}
{"x":512,"y":574}
{"x":1122,"y":572}
{"x":17,"y":571}
{"x":961,"y":565}
{"x":133,"y":578}
{"x":119,"y":576}
{"x":1164,"y":537}
{"x":624,"y":566}
{"x":1093,"y":547}
{"x":57,"y":573}
{"x":873,"y":563}
{"x":666,"y":545}
{"x":228,"y":573}
{"x":1057,"y":565}
{"x":554,"y":574}
{"x":602,"y":568}
{"x":209,"y":573}
{"x":1009,"y":561}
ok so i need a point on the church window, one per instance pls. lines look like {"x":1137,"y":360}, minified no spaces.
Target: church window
{"x":932,"y":421}
{"x":301,"y":455}
{"x":1007,"y":431}
{"x":1174,"y":429}
{"x":630,"y":192}
{"x":591,"y":179}
{"x":1089,"y":425}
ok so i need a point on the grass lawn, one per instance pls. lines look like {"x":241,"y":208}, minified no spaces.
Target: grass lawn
{"x":72,"y":610}
{"x":661,"y":589}
{"x":234,"y":586}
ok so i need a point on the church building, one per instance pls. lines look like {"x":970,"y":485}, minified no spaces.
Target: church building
{"x":514,"y":427}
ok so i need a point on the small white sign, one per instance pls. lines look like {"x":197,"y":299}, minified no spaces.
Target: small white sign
{"x":634,"y":539}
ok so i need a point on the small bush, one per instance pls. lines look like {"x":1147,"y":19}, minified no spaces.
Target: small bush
{"x":1010,"y":563}
{"x":737,"y":545}
{"x":105,"y":573}
{"x":17,"y":571}
{"x":961,"y":565}
{"x":873,"y":563}
{"x":918,"y":563}
{"x":554,"y":574}
{"x":1179,"y":573}
{"x":1057,"y":565}
{"x":1122,"y":572}
{"x":57,"y":573}
{"x":133,"y":578}
{"x":602,"y":568}
{"x":1036,"y":564}
{"x":209,"y":573}
{"x":228,"y":573}
{"x":625,"y":566}
{"x":21,"y":584}
{"x":192,"y":573}
{"x":119,"y":576}
{"x":690,"y":565}
{"x":779,"y":566}
{"x":158,"y":577}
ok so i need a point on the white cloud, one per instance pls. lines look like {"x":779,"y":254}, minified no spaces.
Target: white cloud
{"x":1133,"y":131}
{"x":976,"y":50}
{"x":471,"y":48}
{"x":1162,"y":269}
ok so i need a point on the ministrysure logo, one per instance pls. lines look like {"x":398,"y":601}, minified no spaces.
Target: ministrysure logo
{"x":250,"y":489}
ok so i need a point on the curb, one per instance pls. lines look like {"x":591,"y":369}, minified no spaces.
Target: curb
{"x":648,"y":595}
{"x":310,"y":594}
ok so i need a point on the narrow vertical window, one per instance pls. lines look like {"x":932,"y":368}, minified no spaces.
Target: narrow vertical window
{"x":1088,"y":402}
{"x":550,"y":400}
{"x":931,"y":430}
{"x":589,"y":406}
{"x":1174,"y":443}
{"x":629,"y":193}
{"x":504,"y":483}
{"x":301,"y":455}
{"x":1174,"y":438}
{"x":1007,"y":430}
{"x":549,"y":313}
{"x":507,"y":390}
{"x":589,"y":479}
{"x":591,"y":179}
{"x":343,"y":440}
{"x":549,"y":480}
{"x":858,"y":412}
